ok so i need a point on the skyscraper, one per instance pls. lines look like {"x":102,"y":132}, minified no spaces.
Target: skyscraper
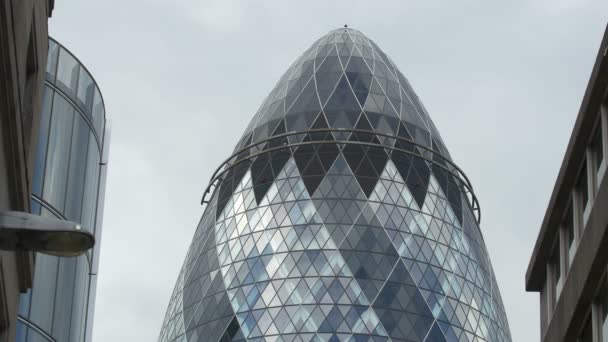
{"x":68,"y":183}
{"x":339,"y":217}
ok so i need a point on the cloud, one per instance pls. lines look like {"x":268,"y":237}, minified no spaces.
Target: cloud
{"x":217,"y":15}
{"x":502,"y":81}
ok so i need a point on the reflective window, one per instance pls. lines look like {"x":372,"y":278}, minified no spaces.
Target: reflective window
{"x":91,"y":183}
{"x":20,"y":332}
{"x":86,"y":88}
{"x":77,"y":169}
{"x":67,"y":72}
{"x":45,"y":285}
{"x":64,"y":296}
{"x":35,"y":336}
{"x":79,"y":307}
{"x":596,"y":146}
{"x":581,"y":186}
{"x":556,"y":272}
{"x":98,"y":113}
{"x":51,"y":61}
{"x":58,"y":154}
{"x":569,"y":228}
{"x":43,"y":136}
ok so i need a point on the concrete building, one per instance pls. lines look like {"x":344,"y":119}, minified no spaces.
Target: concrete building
{"x":23,"y":54}
{"x":569,"y":262}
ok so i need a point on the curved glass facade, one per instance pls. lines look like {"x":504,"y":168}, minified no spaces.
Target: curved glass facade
{"x":68,"y":183}
{"x":339,"y":217}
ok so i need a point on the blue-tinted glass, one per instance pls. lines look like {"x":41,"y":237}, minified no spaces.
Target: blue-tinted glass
{"x":43,"y":137}
{"x":348,"y":236}
{"x":86,"y":89}
{"x":51,"y":61}
{"x":77,"y":169}
{"x":58,"y":153}
{"x":67,"y":73}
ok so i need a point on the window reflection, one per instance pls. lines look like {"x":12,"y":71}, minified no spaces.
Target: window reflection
{"x":569,"y":227}
{"x":597,"y":148}
{"x":51,"y":62}
{"x":556,"y":272}
{"x":58,"y":152}
{"x":86,"y":89}
{"x":67,"y":72}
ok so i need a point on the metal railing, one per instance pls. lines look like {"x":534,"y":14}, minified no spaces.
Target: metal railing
{"x":451,"y":169}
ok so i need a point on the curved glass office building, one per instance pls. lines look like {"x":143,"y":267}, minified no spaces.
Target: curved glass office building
{"x":339,"y":217}
{"x":68,"y":183}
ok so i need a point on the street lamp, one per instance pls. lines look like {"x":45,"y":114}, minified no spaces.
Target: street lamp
{"x":20,"y":231}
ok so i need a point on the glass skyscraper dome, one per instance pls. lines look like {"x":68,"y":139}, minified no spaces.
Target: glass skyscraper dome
{"x":339,"y":217}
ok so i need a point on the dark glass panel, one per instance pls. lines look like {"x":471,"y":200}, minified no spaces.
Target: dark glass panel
{"x":43,"y":137}
{"x":294,"y":88}
{"x":99,"y":113}
{"x":58,"y":153}
{"x":326,"y":82}
{"x":76,"y":174}
{"x":67,"y":73}
{"x":313,"y":161}
{"x":51,"y":61}
{"x":587,"y":332}
{"x":581,"y":185}
{"x":91,"y":184}
{"x":367,"y":162}
{"x":64,"y":296}
{"x":80,"y":296}
{"x":569,"y":227}
{"x":597,"y":146}
{"x":267,"y":166}
{"x":343,"y":98}
{"x":45,"y":286}
{"x":306,"y":102}
{"x":86,"y":91}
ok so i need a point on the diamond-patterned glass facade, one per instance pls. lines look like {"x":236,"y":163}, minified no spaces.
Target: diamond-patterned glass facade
{"x":340,"y":217}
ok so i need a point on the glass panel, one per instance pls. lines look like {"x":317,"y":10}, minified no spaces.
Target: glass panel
{"x":79,"y":308}
{"x":90,"y":186}
{"x":581,"y":185}
{"x":24,"y":303}
{"x":20,"y":332}
{"x":45,"y":285}
{"x":86,"y":89}
{"x":34,"y":336}
{"x":58,"y":154}
{"x":76,"y":175}
{"x":596,"y":146}
{"x":51,"y":62}
{"x":43,"y":137}
{"x":555,"y":266}
{"x":67,"y":72}
{"x":603,"y":302}
{"x":569,"y":226}
{"x":98,"y":113}
{"x":63,"y":298}
{"x":587,"y":333}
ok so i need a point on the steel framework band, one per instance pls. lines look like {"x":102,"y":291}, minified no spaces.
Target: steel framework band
{"x":453,"y":169}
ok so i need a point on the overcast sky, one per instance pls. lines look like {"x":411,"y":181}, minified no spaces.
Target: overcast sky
{"x":502,"y":80}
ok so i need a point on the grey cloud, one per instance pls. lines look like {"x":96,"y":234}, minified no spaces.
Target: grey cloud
{"x":503,"y":82}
